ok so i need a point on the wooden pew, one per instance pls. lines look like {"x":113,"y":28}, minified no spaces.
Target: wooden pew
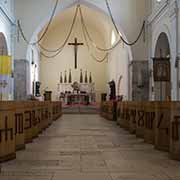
{"x":107,"y":110}
{"x":7,"y":129}
{"x":157,"y":122}
{"x":34,"y":113}
{"x":56,"y":110}
{"x":150,"y":122}
{"x":175,"y":131}
{"x":133,"y":117}
{"x":19,"y":121}
{"x":162,"y":126}
{"x":124,"y":118}
{"x":28,"y":125}
{"x":140,"y":119}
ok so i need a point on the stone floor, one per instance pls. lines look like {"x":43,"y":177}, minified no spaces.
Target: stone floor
{"x":87,"y":147}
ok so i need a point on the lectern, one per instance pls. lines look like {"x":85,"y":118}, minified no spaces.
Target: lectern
{"x":48,"y":95}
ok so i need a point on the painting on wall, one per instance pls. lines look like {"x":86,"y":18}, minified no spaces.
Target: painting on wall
{"x":161,"y":69}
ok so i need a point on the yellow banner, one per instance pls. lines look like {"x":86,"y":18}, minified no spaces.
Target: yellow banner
{"x":5,"y":65}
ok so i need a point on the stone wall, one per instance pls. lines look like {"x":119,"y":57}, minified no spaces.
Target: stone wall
{"x":140,"y":80}
{"x":20,"y":79}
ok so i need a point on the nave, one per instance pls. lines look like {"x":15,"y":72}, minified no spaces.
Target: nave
{"x":86,"y":147}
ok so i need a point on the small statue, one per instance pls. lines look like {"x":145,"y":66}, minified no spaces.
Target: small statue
{"x":112,"y":86}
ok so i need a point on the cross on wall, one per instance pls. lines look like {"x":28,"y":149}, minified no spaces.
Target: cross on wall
{"x":75,"y":44}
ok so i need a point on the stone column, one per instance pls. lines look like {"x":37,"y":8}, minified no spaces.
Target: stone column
{"x":21,"y":71}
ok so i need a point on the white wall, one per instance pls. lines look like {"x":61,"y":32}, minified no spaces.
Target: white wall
{"x":117,"y":67}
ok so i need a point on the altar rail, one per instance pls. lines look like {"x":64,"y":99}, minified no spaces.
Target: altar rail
{"x":157,"y":122}
{"x":21,"y":122}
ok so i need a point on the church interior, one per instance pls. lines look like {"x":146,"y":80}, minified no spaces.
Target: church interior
{"x":89,"y":89}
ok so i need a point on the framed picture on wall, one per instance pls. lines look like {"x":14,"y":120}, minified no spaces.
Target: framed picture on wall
{"x":161,"y":68}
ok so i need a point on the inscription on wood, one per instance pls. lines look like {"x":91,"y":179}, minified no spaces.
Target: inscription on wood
{"x":33,"y":117}
{"x":175,"y":128}
{"x":162,"y":125}
{"x":7,"y":131}
{"x":141,"y":115}
{"x":19,"y":123}
{"x":133,"y":115}
{"x":28,"y":120}
{"x":150,"y":118}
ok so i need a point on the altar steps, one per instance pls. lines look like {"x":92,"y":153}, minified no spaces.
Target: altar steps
{"x":80,"y":110}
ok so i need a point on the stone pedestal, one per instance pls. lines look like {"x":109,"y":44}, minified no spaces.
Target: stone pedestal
{"x":140,"y":81}
{"x":21,"y":68}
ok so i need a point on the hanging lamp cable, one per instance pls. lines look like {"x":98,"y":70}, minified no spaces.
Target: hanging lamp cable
{"x":91,"y":54}
{"x":88,"y":47}
{"x":58,"y":50}
{"x":113,"y":21}
{"x":91,"y":40}
{"x":45,"y":31}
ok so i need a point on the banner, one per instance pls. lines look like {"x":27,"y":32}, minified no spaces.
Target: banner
{"x":5,"y":76}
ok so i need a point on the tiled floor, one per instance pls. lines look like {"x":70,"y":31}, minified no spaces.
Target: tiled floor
{"x":87,"y":147}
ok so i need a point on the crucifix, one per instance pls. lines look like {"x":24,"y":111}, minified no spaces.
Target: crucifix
{"x":75,"y":44}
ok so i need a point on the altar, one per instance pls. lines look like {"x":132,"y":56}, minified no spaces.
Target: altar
{"x":78,"y":99}
{"x":84,"y":95}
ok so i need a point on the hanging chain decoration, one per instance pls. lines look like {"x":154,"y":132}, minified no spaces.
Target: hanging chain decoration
{"x":69,"y":34}
{"x":91,"y":40}
{"x":59,"y":50}
{"x":88,"y":47}
{"x":45,"y":31}
{"x":67,"y":38}
{"x":86,"y":35}
{"x":113,"y":21}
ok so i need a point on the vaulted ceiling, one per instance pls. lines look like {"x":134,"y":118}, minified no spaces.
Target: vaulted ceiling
{"x":94,"y":20}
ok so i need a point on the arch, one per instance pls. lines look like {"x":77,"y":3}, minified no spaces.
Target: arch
{"x":162,"y":89}
{"x":162,"y":42}
{"x":156,"y":34}
{"x":3,"y":45}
